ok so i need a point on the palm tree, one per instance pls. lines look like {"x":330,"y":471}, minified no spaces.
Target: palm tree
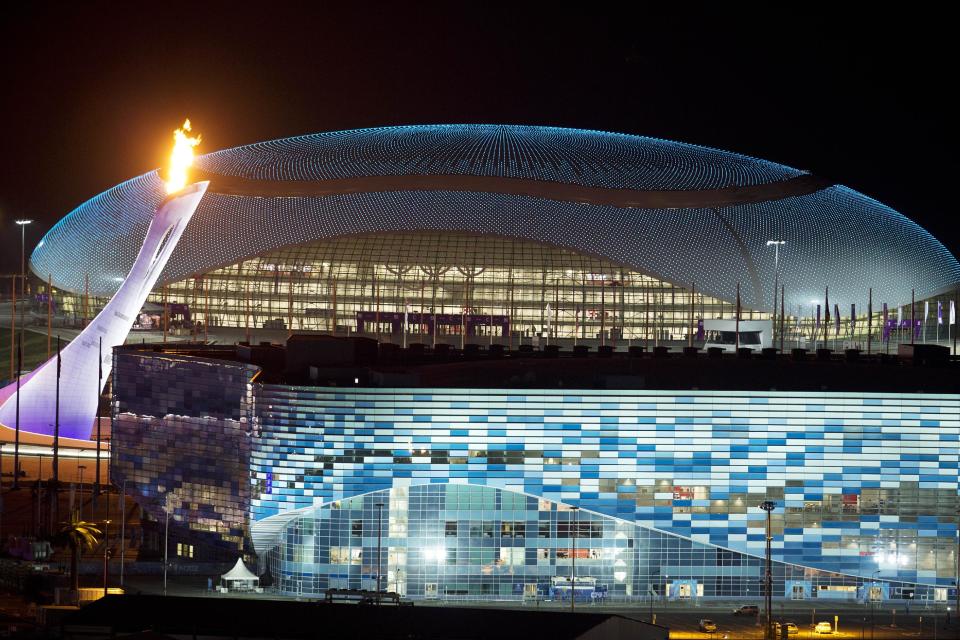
{"x":78,"y":535}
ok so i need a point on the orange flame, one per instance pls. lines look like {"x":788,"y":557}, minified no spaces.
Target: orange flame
{"x":181,"y":158}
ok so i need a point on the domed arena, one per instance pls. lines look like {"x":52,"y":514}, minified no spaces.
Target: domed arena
{"x":505,"y":232}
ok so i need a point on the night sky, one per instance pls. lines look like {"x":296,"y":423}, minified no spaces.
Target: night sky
{"x":92,"y":91}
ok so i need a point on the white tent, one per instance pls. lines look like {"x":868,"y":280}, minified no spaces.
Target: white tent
{"x":240,"y":578}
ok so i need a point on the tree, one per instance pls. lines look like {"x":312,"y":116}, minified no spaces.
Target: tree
{"x":78,"y":536}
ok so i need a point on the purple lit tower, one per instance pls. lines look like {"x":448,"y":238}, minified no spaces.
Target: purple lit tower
{"x":78,"y":372}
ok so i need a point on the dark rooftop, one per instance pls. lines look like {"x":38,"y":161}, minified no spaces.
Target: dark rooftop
{"x":328,"y":361}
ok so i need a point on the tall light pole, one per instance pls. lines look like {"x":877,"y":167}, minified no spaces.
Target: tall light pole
{"x":873,"y":604}
{"x":96,"y":482}
{"x":167,"y":508}
{"x":106,"y":555}
{"x":16,"y":437}
{"x":957,"y":594}
{"x":166,"y":548}
{"x":22,"y":223}
{"x":768,"y":506}
{"x":379,"y":507}
{"x":573,"y":560}
{"x":123,"y":525}
{"x":80,"y":507}
{"x":776,"y":244}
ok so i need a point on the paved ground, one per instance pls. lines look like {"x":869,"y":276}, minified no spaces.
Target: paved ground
{"x":682,"y":618}
{"x":854,"y":620}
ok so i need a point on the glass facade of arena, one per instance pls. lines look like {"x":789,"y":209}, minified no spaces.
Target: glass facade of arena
{"x":448,"y":285}
{"x":458,"y":288}
{"x":452,"y":542}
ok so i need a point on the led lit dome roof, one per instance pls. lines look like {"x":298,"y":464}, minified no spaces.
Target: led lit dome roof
{"x":573,"y":156}
{"x":679,"y":212}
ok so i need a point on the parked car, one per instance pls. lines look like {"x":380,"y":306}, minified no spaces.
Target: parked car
{"x":708,"y":626}
{"x":747,"y":610}
{"x":823,"y":627}
{"x":792,"y":628}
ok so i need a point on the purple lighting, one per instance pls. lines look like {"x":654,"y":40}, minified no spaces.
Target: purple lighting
{"x":79,"y":388}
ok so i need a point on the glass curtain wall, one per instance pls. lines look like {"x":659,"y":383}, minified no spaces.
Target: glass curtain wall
{"x":458,"y":288}
{"x":444,"y":287}
{"x":467,"y":542}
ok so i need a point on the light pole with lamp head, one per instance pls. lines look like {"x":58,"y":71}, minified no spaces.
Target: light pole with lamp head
{"x":957,"y":591}
{"x":80,"y":507}
{"x":167,"y":508}
{"x":106,"y":554}
{"x":873,"y":603}
{"x":650,"y":593}
{"x":776,"y":244}
{"x":573,"y":560}
{"x":768,"y":506}
{"x":22,"y":223}
{"x":379,"y":507}
{"x":123,"y":525}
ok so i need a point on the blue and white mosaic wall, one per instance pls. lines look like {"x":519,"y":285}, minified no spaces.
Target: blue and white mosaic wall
{"x":865,"y":484}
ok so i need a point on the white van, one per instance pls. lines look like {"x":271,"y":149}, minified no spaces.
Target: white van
{"x":754,"y":334}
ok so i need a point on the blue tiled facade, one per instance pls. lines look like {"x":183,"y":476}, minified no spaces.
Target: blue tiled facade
{"x":865,"y":484}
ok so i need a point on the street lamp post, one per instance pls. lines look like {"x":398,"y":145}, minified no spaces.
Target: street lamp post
{"x":106,"y":554}
{"x":22,"y":223}
{"x":768,"y":506}
{"x":123,"y":527}
{"x":650,"y":595}
{"x":776,"y":244}
{"x":80,"y":507}
{"x":16,"y":437}
{"x":573,"y":561}
{"x":957,"y":593}
{"x":379,"y":506}
{"x":166,"y":549}
{"x":873,"y":605}
{"x":168,"y":507}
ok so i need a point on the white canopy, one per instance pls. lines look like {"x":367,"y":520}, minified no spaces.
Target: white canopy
{"x":239,"y":573}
